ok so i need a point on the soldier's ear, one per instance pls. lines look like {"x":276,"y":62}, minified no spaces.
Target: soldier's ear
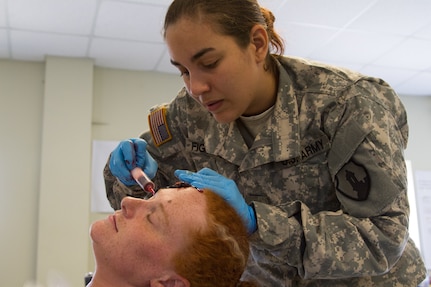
{"x":260,"y":42}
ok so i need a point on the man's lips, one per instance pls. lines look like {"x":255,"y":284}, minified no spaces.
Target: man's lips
{"x":113,"y":219}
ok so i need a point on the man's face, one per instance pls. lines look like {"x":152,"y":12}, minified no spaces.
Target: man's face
{"x":142,"y":238}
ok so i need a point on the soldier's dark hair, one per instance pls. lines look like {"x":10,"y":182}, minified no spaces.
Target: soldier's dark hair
{"x":233,"y":18}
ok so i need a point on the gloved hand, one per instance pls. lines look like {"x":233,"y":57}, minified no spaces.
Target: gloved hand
{"x":128,"y":155}
{"x":226,"y":188}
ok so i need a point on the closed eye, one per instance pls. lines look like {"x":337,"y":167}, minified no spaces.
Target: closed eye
{"x":148,"y":217}
{"x":158,"y":217}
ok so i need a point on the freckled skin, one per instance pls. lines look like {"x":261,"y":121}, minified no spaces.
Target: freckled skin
{"x":139,"y":241}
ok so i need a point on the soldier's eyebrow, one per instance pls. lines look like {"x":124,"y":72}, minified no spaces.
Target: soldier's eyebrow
{"x":196,"y":56}
{"x":202,"y":52}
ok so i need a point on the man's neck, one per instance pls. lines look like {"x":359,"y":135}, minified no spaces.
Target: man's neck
{"x":99,"y":280}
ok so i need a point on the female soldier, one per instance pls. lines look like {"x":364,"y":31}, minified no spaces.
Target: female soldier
{"x":310,"y":155}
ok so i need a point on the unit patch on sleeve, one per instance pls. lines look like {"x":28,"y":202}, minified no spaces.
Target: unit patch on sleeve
{"x":159,"y":127}
{"x":353,"y":181}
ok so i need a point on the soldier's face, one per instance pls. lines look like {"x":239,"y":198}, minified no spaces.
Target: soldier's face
{"x":219,"y":74}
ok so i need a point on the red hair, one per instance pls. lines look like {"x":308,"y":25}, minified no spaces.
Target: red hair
{"x":217,"y":255}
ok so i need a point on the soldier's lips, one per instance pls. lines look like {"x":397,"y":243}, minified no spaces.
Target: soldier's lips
{"x":213,"y":106}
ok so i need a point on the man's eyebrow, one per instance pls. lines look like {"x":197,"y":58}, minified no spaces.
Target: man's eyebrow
{"x":195,"y":57}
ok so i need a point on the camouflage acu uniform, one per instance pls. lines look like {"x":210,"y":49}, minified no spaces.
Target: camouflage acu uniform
{"x":326,"y":177}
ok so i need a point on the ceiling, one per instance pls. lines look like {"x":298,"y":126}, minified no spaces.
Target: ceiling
{"x":390,"y":39}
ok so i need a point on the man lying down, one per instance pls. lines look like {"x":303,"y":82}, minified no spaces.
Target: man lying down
{"x":182,"y":236}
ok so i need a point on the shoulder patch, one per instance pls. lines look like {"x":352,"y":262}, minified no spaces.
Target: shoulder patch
{"x":353,"y":181}
{"x":159,"y":127}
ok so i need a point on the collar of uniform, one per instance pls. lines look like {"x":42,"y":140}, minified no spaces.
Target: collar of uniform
{"x":278,"y":141}
{"x":281,"y":135}
{"x":286,"y":141}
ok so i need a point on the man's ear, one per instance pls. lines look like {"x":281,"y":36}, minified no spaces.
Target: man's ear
{"x":260,"y":41}
{"x":170,"y":280}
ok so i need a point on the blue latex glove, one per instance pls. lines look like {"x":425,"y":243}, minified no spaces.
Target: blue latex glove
{"x":128,"y":155}
{"x":226,"y":188}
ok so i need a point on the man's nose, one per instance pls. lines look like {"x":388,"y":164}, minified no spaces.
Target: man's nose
{"x":129,"y":206}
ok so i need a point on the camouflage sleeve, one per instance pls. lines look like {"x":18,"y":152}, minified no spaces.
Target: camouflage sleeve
{"x":116,"y":191}
{"x":169,"y":152}
{"x":367,"y":236}
{"x":181,"y":117}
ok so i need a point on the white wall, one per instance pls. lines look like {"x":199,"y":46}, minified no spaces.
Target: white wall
{"x":21,"y":101}
{"x":419,"y":118}
{"x":63,"y":213}
{"x":120,"y":102}
{"x":49,"y":114}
